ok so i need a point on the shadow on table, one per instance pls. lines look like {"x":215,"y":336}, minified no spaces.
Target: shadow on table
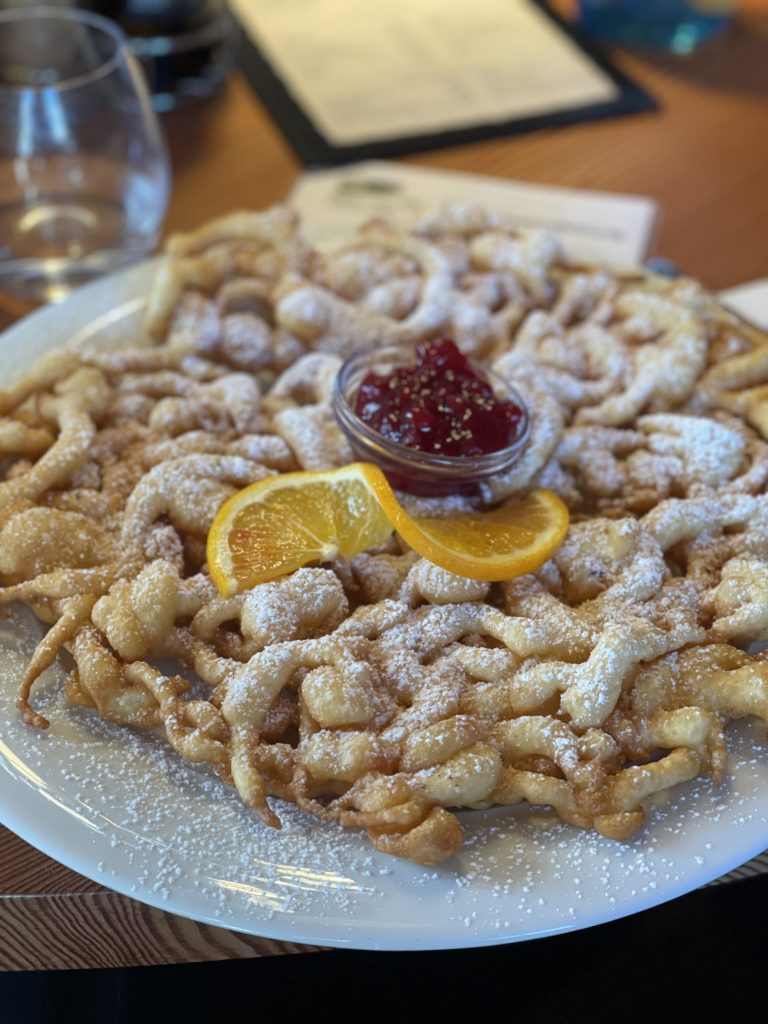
{"x":701,"y":956}
{"x":188,"y":130}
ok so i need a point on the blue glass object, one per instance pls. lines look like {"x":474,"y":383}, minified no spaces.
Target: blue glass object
{"x":676,"y":25}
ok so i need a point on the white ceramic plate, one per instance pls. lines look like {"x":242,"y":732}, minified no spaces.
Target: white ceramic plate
{"x":122,"y":809}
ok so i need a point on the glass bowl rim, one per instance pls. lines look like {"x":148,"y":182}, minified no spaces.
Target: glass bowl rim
{"x":462,"y":465}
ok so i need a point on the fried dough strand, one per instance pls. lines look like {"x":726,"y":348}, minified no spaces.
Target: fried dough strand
{"x":381,"y":692}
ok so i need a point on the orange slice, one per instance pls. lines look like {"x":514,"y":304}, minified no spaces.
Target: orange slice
{"x":287,"y":521}
{"x":508,"y":541}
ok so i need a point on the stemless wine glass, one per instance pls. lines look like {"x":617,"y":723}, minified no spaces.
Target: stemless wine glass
{"x":84,"y":176}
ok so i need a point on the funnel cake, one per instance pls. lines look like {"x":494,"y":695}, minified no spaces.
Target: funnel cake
{"x":381,"y":692}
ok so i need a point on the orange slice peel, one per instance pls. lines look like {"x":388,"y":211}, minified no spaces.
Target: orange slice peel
{"x":290,"y":520}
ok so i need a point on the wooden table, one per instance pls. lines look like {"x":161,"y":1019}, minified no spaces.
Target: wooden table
{"x":703,"y":156}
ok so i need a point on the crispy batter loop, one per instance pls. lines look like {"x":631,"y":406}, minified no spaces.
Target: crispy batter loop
{"x":381,"y":692}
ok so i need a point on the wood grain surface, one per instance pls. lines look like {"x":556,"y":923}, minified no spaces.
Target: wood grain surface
{"x":703,"y":156}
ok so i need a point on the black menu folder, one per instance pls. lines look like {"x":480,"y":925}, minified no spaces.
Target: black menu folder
{"x":347,"y":81}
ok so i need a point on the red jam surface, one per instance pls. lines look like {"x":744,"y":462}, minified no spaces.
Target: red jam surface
{"x":438,"y":405}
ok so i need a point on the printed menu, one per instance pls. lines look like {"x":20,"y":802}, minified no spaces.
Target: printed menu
{"x":379,"y":74}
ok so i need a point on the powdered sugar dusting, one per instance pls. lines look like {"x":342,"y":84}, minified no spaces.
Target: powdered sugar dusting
{"x":122,"y":808}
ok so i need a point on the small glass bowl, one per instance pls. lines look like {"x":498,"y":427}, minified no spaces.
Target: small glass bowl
{"x":408,"y":469}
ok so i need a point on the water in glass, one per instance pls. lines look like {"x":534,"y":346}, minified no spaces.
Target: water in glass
{"x":83,"y":170}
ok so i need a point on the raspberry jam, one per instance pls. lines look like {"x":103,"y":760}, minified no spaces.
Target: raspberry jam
{"x":439,"y":405}
{"x":435,"y":422}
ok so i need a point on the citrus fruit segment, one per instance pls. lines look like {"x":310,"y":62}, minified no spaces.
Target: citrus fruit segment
{"x":508,"y":541}
{"x":287,"y":521}
{"x":284,"y":522}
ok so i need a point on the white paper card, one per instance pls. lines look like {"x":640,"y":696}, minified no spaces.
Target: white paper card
{"x":598,"y":227}
{"x":368,"y":72}
{"x":749,"y":300}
